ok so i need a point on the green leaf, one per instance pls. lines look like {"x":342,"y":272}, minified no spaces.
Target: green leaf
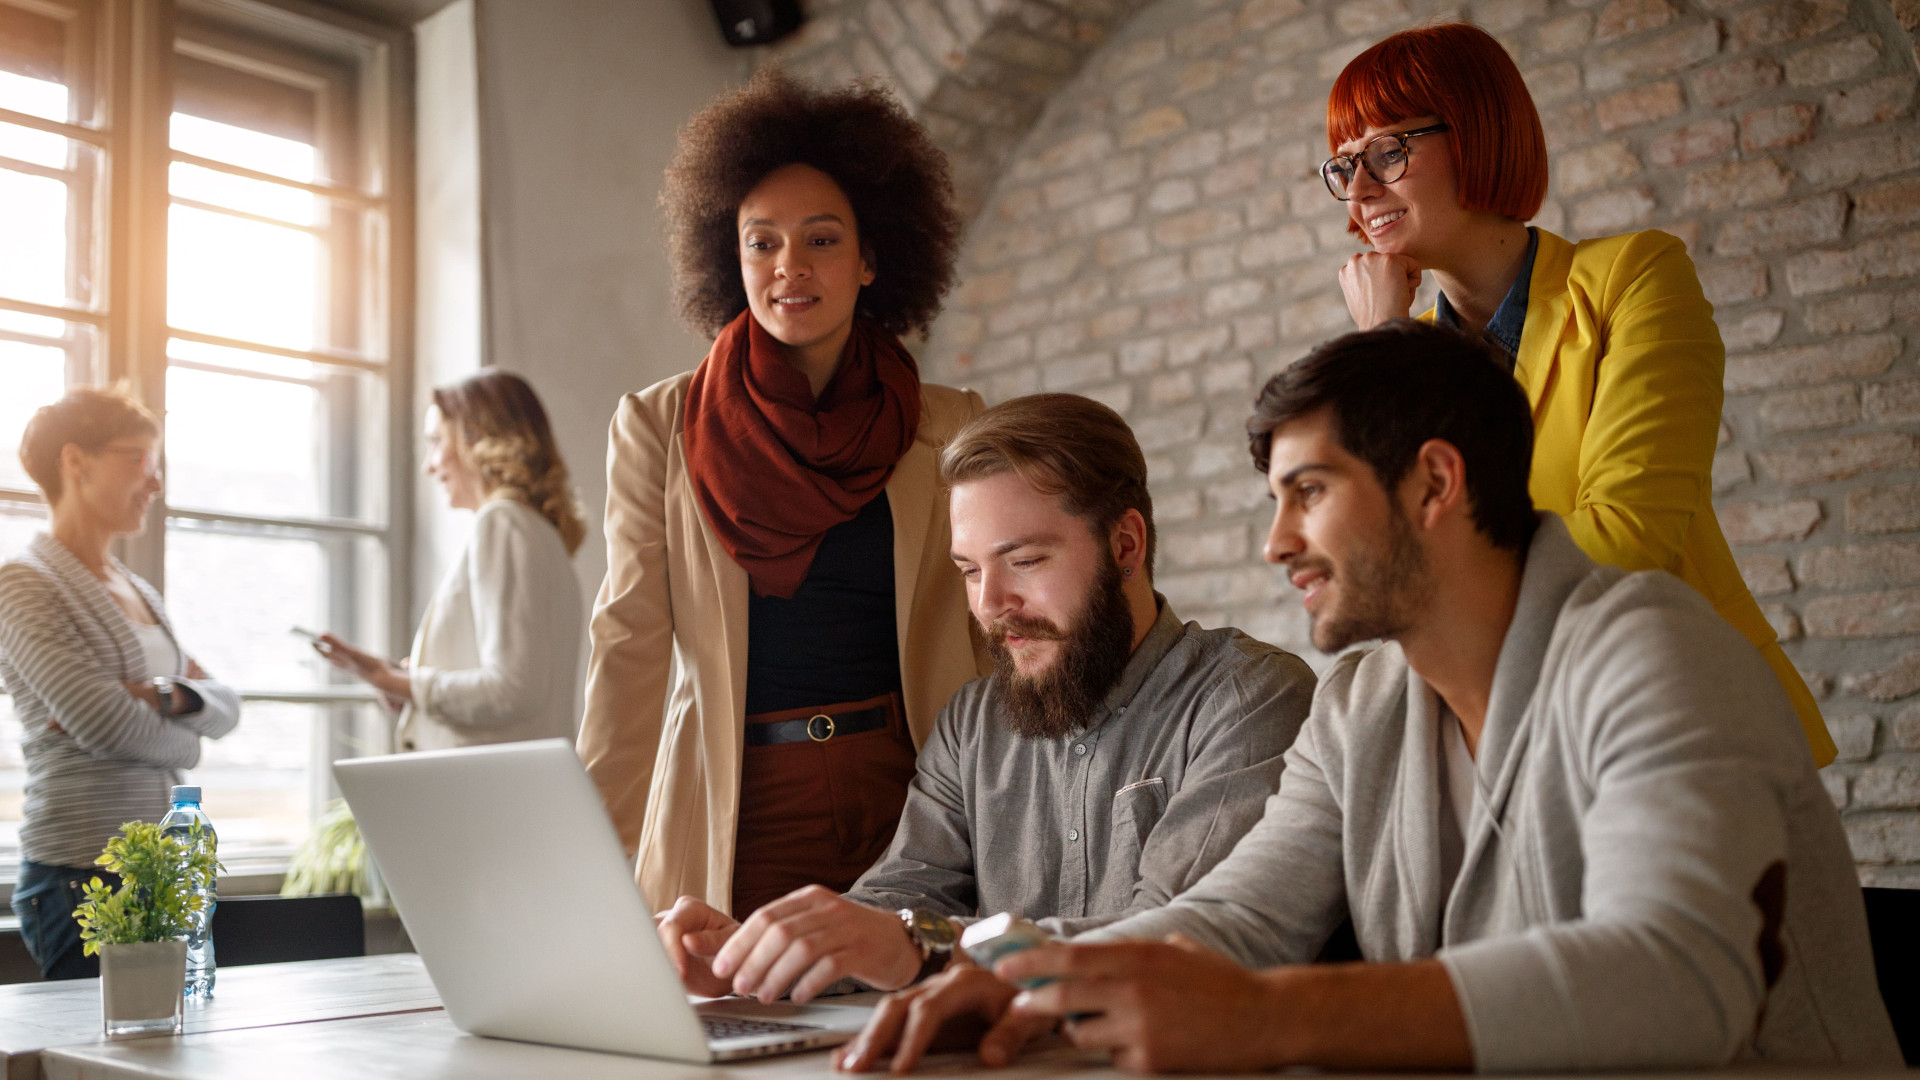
{"x":161,"y":878}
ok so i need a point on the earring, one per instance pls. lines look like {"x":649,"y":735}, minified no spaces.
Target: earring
{"x":1126,"y":571}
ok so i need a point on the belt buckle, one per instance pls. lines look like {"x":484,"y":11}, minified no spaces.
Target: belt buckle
{"x":819,"y":716}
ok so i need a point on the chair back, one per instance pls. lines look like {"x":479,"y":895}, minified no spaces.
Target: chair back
{"x":278,"y":929}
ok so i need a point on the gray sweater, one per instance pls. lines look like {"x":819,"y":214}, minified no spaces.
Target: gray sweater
{"x":96,"y":755}
{"x":1639,"y":775}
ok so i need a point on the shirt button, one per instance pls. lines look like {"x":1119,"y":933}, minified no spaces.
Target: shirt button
{"x":1073,"y":834}
{"x":1080,"y":748}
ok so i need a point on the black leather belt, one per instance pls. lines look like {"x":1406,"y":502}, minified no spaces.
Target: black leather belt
{"x":817,"y":728}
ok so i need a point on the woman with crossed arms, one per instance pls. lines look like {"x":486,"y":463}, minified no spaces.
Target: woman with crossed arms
{"x":1440,"y":159}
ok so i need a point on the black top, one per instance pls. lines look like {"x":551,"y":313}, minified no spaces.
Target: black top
{"x":835,"y":640}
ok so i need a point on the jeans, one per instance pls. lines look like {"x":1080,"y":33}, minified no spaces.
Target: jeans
{"x":44,"y":897}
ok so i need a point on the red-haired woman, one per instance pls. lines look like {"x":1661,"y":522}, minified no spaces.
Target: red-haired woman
{"x":1441,"y":160}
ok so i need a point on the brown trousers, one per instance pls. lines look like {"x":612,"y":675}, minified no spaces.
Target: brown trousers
{"x":818,"y":812}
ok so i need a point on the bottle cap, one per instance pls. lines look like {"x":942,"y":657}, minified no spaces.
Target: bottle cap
{"x":186,"y":793}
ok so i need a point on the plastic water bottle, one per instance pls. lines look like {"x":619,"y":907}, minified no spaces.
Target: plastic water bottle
{"x":179,"y":822}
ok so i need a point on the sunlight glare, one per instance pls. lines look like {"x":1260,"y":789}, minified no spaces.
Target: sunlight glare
{"x":35,"y":97}
{"x":33,"y":375}
{"x":246,"y":148}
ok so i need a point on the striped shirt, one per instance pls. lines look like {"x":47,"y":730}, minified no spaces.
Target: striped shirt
{"x":96,"y":756}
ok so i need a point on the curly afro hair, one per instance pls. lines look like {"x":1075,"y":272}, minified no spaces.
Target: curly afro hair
{"x":893,"y":175}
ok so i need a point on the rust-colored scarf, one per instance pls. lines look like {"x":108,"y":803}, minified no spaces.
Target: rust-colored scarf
{"x":773,"y":468}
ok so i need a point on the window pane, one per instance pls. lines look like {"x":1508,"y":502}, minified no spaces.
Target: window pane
{"x":254,"y":781}
{"x":33,"y":375}
{"x":46,"y":98}
{"x":268,"y":447}
{"x":247,"y":445}
{"x":241,"y":279}
{"x":259,"y":787}
{"x":240,"y":146}
{"x":48,"y":45}
{"x":233,"y":598}
{"x":253,"y":196}
{"x":47,"y":198}
{"x":18,"y":524}
{"x":33,"y":146}
{"x":46,"y":219}
{"x":243,"y":360}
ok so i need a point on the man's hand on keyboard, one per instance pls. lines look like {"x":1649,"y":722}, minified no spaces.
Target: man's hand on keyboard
{"x":812,"y":938}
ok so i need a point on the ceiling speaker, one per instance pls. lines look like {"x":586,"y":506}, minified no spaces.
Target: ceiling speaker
{"x":756,"y":22}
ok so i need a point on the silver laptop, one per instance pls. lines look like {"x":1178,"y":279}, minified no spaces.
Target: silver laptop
{"x":515,"y":890}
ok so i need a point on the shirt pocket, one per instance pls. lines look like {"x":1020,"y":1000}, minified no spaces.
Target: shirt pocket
{"x":1136,"y":810}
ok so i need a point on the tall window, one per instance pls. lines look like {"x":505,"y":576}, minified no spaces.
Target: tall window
{"x":277,"y":375}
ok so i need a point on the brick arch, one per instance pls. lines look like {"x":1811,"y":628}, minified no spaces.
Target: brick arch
{"x":976,"y":72}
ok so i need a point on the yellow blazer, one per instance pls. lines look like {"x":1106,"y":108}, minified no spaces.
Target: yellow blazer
{"x":1623,"y":364}
{"x":667,"y":675}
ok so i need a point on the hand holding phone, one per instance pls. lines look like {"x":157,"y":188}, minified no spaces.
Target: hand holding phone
{"x":312,"y":639}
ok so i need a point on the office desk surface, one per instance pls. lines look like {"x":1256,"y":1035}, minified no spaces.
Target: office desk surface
{"x":426,"y":1046}
{"x":416,"y":1046}
{"x":36,"y":1016}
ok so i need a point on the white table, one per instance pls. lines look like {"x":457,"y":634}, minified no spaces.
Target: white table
{"x":365,"y":1020}
{"x":37,"y":1016}
{"x":414,"y":1046}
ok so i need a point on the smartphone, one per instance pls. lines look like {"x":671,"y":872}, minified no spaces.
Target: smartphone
{"x":992,"y":939}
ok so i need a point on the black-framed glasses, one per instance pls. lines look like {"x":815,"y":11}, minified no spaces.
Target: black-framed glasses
{"x":1384,"y":157}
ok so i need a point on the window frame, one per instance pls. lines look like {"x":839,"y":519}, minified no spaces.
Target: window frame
{"x":130,"y":59}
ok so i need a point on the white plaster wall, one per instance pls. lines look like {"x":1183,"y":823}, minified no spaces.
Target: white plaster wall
{"x":579,"y":103}
{"x":545,"y":129}
{"x":448,"y":272}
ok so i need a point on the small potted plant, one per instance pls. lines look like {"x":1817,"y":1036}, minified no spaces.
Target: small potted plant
{"x":139,"y":929}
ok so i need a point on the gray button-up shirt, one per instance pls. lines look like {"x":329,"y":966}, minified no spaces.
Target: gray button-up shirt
{"x":1116,"y":818}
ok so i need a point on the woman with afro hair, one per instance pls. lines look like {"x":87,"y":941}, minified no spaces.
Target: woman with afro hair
{"x":780,"y":623}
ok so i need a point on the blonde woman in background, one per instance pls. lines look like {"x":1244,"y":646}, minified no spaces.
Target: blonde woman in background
{"x":497,"y":654}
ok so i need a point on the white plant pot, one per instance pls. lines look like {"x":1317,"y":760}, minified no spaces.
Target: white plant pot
{"x":140,"y":988}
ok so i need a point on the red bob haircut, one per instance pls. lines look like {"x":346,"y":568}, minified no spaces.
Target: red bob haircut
{"x":1460,"y":74}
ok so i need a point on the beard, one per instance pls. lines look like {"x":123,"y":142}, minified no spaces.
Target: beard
{"x":1380,"y":593}
{"x":1051,"y":704}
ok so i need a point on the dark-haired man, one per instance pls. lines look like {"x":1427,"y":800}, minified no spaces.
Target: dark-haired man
{"x":1114,"y":755}
{"x":1569,"y":807}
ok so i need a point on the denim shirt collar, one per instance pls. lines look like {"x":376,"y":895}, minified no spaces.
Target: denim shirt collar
{"x":1510,"y":318}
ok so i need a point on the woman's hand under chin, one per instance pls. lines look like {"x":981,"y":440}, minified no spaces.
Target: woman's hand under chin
{"x":1379,"y":287}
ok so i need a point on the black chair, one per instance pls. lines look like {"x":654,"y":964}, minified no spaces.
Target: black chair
{"x":1893,"y":921}
{"x":277,"y":929}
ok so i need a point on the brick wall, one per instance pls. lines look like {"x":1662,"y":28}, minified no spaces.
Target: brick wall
{"x":1150,"y":231}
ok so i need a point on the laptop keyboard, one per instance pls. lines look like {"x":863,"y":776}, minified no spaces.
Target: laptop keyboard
{"x":730,"y":1027}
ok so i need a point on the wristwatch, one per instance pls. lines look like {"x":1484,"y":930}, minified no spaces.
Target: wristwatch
{"x":934,"y":935}
{"x":163,"y":688}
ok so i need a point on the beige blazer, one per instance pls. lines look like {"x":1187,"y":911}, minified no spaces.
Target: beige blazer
{"x":667,"y":672}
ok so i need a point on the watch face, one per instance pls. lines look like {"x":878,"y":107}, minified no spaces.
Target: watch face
{"x":937,"y":932}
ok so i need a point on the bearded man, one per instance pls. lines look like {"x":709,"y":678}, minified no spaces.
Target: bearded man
{"x":1112,"y":758}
